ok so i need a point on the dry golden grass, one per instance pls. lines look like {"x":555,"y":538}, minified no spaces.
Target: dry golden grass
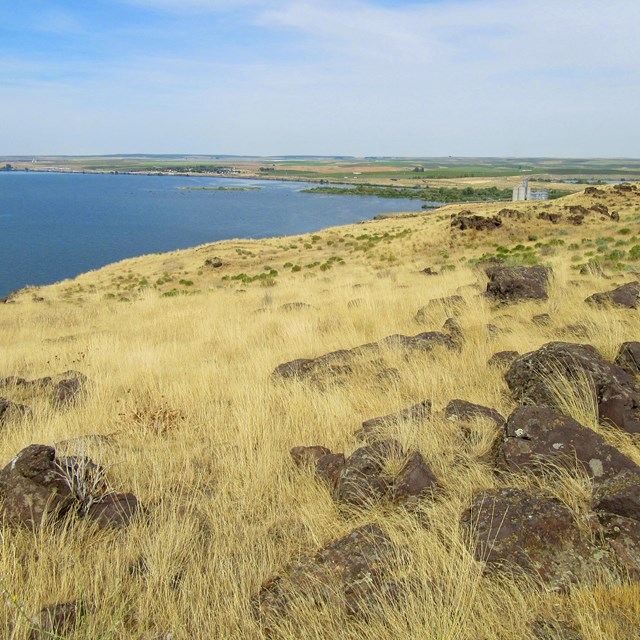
{"x":200,"y":432}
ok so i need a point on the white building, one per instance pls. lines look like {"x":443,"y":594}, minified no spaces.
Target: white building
{"x":524,"y":192}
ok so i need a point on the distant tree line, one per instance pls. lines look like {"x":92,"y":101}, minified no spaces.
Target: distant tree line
{"x":430,"y":194}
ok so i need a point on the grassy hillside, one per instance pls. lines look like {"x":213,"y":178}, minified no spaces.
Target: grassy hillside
{"x":179,"y":355}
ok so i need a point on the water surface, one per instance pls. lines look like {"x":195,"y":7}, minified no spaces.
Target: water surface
{"x":56,"y":225}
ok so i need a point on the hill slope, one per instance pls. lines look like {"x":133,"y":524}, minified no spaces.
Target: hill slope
{"x":182,"y":409}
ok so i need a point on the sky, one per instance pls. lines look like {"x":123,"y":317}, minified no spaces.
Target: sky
{"x":517,"y":78}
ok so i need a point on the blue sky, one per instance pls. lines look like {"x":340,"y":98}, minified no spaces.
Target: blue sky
{"x":328,"y":77}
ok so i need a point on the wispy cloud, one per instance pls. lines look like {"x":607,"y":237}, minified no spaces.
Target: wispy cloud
{"x":357,"y":76}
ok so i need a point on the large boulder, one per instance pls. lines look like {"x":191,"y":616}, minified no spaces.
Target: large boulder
{"x":353,"y":571}
{"x":511,"y":529}
{"x":36,"y":486}
{"x":537,"y":437}
{"x":532,"y":376}
{"x":32,"y":487}
{"x":512,"y":284}
{"x":626,"y":296}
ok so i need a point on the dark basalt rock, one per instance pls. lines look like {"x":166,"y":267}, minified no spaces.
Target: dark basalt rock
{"x":214,"y":263}
{"x":512,"y":529}
{"x":57,"y":620}
{"x":553,"y":218}
{"x":354,"y":570}
{"x":626,"y":296}
{"x":623,"y":537}
{"x":628,"y":357}
{"x":451,"y":304}
{"x":542,"y":319}
{"x":36,"y":485}
{"x":502,"y":359}
{"x":616,"y":391}
{"x":339,"y":361}
{"x":114,"y":511}
{"x":69,"y":390}
{"x":12,"y":411}
{"x":295,"y":306}
{"x":375,"y":427}
{"x":32,"y":488}
{"x":538,"y":436}
{"x":308,"y":456}
{"x":466,"y":220}
{"x":328,"y":468}
{"x":512,"y":284}
{"x":415,"y":479}
{"x":465,"y":411}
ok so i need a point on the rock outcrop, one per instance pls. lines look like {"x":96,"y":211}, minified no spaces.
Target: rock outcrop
{"x":353,"y":571}
{"x":511,"y":528}
{"x":531,"y":378}
{"x":512,"y":284}
{"x":36,"y":486}
{"x":627,"y":296}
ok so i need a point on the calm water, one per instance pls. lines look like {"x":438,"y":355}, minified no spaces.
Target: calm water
{"x":55,"y":226}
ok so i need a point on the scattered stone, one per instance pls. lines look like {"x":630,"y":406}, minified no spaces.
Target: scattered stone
{"x":328,"y":468}
{"x":616,"y":391}
{"x":113,"y":511}
{"x":466,"y":220}
{"x":626,"y":296}
{"x":354,"y":570}
{"x":466,"y":411}
{"x":388,"y":374}
{"x":453,"y":328}
{"x":338,"y":362}
{"x":511,"y":529}
{"x":600,"y":208}
{"x":214,"y":263}
{"x":452,"y":304}
{"x":542,"y":319}
{"x":374,"y":427}
{"x":628,"y":357}
{"x":68,"y":390}
{"x":12,"y":381}
{"x":514,"y":214}
{"x":295,"y":306}
{"x":308,"y":456}
{"x":32,"y":487}
{"x":416,"y":479}
{"x":555,"y":630}
{"x":595,"y":192}
{"x":428,"y":271}
{"x":511,"y":284}
{"x":502,"y":359}
{"x":553,"y":218}
{"x":36,"y":485}
{"x":57,"y":620}
{"x":12,"y":411}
